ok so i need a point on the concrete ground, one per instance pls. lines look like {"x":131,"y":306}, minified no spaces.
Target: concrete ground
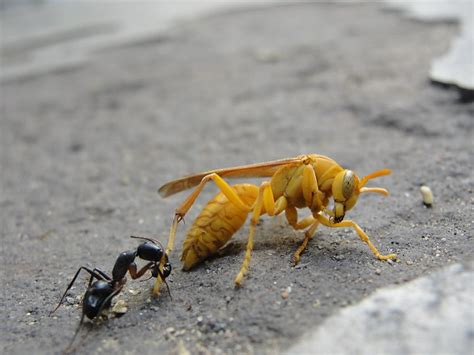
{"x":84,"y":151}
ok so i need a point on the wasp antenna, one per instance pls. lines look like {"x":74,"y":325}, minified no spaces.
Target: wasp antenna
{"x":374,"y":175}
{"x":378,"y":190}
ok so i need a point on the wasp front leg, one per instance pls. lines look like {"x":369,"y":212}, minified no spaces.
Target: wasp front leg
{"x":365,"y":238}
{"x":181,"y":211}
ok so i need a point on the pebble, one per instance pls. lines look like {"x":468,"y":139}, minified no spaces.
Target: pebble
{"x":378,"y":271}
{"x":120,"y":307}
{"x":427,"y":196}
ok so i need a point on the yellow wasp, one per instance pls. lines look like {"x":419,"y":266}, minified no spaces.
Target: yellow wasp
{"x":304,"y":181}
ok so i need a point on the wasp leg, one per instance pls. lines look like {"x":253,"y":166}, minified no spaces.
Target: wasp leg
{"x":365,"y":238}
{"x":181,"y":211}
{"x":265,"y":203}
{"x":309,"y":185}
{"x":309,"y":221}
{"x":307,"y":237}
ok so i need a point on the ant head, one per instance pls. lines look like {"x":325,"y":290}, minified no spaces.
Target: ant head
{"x":347,"y":187}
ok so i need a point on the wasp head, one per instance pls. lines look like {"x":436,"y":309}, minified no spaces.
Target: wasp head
{"x":347,"y":187}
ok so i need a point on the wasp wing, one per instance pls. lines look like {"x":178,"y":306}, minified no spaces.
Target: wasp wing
{"x":265,"y":169}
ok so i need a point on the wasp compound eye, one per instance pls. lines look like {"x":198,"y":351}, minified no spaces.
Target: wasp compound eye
{"x":348,"y":184}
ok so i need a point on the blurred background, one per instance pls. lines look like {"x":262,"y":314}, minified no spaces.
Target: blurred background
{"x":40,"y":35}
{"x":101,"y":102}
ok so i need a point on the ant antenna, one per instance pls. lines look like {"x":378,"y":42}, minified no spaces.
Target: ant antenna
{"x":154,"y":241}
{"x":164,"y":280}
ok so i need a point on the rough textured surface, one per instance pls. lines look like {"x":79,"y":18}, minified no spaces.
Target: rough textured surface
{"x":83,"y":152}
{"x":431,"y":315}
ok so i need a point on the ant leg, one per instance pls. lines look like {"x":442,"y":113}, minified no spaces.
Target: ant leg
{"x":365,"y":238}
{"x":91,"y":272}
{"x":163,"y":279}
{"x":107,"y":277}
{"x":69,"y":347}
{"x":108,"y":299}
{"x":132,"y":270}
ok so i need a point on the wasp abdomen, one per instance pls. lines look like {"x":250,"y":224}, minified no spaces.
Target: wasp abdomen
{"x":215,"y":225}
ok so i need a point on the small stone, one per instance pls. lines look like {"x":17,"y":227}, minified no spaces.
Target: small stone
{"x":378,"y":271}
{"x":134,"y":292}
{"x":120,"y":307}
{"x":409,"y":262}
{"x":181,"y":349}
{"x":285,"y":294}
{"x":170,"y":330}
{"x":427,"y":196}
{"x":339,"y":257}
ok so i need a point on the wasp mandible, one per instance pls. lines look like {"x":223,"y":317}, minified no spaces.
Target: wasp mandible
{"x":306,"y":181}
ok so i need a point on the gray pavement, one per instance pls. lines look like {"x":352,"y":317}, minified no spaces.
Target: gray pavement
{"x":84,"y":149}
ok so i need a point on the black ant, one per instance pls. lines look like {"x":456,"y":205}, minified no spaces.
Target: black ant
{"x":100,"y":293}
